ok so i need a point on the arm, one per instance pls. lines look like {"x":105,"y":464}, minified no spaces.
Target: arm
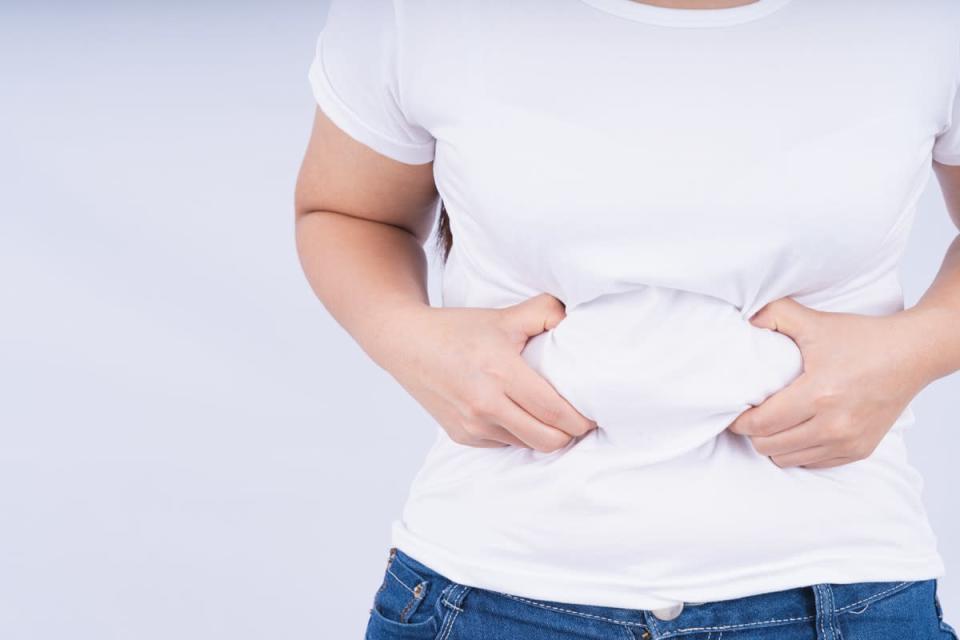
{"x":860,"y":372}
{"x":361,"y":221}
{"x":938,"y":310}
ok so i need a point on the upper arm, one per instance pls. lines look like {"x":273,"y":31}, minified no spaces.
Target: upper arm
{"x":946,"y":152}
{"x":342,"y":175}
{"x":366,"y":156}
{"x":949,"y":178}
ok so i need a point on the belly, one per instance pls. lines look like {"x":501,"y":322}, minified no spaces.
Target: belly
{"x":693,"y":527}
{"x":662,"y":371}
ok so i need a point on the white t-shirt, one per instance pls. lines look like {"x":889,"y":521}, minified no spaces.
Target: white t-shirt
{"x":665,"y":173}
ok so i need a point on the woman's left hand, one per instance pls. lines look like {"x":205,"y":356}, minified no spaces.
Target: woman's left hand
{"x":859,"y":374}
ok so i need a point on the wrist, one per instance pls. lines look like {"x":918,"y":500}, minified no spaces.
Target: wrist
{"x":394,"y":331}
{"x":930,"y":338}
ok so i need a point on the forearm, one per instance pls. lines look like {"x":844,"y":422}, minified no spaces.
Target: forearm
{"x":933,"y":323}
{"x":365,"y":273}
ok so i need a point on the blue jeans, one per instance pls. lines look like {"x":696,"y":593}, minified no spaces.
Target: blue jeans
{"x":415,"y":602}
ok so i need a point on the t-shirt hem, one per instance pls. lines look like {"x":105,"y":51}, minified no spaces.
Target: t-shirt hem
{"x":615,"y":592}
{"x":353,"y":125}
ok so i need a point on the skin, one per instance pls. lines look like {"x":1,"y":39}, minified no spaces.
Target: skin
{"x":860,"y":372}
{"x":361,"y":220}
{"x":696,"y":4}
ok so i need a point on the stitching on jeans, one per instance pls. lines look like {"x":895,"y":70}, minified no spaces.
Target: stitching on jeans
{"x":823,"y":594}
{"x":874,"y":597}
{"x":451,"y":605}
{"x":653,"y":624}
{"x":570,"y":611}
{"x":831,"y":611}
{"x":625,"y":632}
{"x":411,"y":603}
{"x":728,"y":627}
{"x":400,"y":581}
{"x":720,"y":628}
{"x":457,"y":610}
{"x":820,"y":612}
{"x":444,"y":595}
{"x":446,"y":619}
{"x":832,"y":620}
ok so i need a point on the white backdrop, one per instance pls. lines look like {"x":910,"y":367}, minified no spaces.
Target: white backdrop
{"x":188,"y":446}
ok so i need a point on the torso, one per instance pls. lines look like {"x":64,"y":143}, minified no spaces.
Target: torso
{"x":666,"y":175}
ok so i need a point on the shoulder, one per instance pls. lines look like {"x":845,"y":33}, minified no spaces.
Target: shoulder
{"x":361,"y":13}
{"x":425,"y":17}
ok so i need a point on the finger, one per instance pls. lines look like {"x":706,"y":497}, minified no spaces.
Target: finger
{"x":500,"y":434}
{"x":488,"y":435}
{"x":457,"y":433}
{"x":525,"y":386}
{"x":786,"y":316}
{"x":786,"y":408}
{"x":796,"y":438}
{"x":829,"y":462}
{"x":803,"y":457}
{"x":535,"y":315}
{"x":531,"y":431}
{"x":488,"y":444}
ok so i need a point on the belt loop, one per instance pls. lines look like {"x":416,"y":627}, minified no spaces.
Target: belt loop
{"x":827,"y":626}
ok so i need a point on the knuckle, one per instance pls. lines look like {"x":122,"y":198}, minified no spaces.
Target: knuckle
{"x":827,"y":395}
{"x":860,"y":450}
{"x":759,"y":427}
{"x":843,"y":428}
{"x":762,"y":448}
{"x":582,"y":427}
{"x":550,"y":414}
{"x":472,"y":427}
{"x":765,"y":429}
{"x":459,"y":437}
{"x":479,"y":406}
{"x":472,"y":412}
{"x":746,"y":424}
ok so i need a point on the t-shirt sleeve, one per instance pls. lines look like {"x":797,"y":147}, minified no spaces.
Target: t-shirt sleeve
{"x":946,"y":146}
{"x":355,"y":80}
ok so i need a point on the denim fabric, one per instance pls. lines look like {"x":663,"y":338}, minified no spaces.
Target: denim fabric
{"x":415,"y":602}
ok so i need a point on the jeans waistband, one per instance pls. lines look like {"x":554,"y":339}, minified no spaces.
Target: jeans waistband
{"x":819,"y":604}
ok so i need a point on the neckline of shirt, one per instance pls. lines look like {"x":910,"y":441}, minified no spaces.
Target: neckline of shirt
{"x":670,"y":17}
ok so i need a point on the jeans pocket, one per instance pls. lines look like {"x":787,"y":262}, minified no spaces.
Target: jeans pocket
{"x":902,"y":610}
{"x":407,"y":604}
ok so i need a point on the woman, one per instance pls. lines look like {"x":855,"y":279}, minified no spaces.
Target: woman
{"x":672,"y":369}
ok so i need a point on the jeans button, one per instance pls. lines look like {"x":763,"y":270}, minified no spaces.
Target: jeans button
{"x":668,"y":613}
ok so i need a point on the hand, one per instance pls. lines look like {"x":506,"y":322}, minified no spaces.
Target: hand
{"x":860,"y":373}
{"x":463,"y":365}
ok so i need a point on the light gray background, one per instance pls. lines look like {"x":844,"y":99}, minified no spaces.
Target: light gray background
{"x":190,"y":447}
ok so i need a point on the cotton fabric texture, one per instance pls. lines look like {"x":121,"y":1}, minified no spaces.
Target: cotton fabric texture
{"x":665,"y":173}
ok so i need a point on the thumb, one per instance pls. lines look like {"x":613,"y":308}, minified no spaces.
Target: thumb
{"x":536,"y":314}
{"x":786,"y":316}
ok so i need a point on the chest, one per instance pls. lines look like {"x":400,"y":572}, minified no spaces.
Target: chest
{"x":675,"y":159}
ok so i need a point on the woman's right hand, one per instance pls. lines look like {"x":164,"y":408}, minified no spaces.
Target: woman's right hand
{"x":463,"y":365}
